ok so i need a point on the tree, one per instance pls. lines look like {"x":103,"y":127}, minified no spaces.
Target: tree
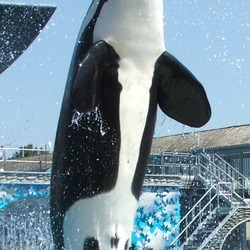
{"x":24,"y":152}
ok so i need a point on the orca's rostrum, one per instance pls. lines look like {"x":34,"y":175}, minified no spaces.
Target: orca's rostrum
{"x":119,"y":72}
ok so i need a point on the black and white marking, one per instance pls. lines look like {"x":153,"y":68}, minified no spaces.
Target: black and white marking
{"x":119,"y":72}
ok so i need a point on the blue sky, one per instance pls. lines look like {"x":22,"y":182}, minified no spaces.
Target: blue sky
{"x":211,"y":38}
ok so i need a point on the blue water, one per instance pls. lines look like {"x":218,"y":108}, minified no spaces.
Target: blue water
{"x":24,"y":218}
{"x":157,"y":214}
{"x":10,"y":193}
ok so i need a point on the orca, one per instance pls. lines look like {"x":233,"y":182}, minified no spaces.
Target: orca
{"x":119,"y":73}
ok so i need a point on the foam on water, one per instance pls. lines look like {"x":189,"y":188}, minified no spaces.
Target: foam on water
{"x":25,"y":224}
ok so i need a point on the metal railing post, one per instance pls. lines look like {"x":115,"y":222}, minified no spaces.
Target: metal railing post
{"x":217,"y":193}
{"x":45,"y":156}
{"x":4,"y":159}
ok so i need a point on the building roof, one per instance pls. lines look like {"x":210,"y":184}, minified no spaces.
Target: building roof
{"x":209,"y":139}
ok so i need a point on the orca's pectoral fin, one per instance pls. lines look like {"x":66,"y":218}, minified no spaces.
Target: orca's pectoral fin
{"x":86,"y":90}
{"x":180,"y":95}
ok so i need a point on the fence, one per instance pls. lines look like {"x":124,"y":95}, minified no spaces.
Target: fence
{"x":25,"y":159}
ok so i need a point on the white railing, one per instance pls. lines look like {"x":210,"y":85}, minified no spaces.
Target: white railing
{"x":196,"y":216}
{"x":218,"y":228}
{"x":39,"y":157}
{"x":233,"y":172}
{"x":169,"y":164}
{"x":223,"y":181}
{"x":214,"y":173}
